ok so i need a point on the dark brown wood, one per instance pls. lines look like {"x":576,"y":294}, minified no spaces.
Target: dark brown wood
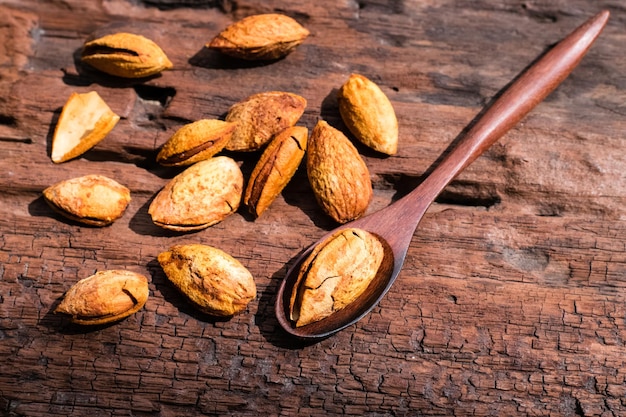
{"x":396,"y":224}
{"x":511,"y":300}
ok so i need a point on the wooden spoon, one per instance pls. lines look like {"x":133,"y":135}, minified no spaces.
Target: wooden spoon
{"x":396,"y":223}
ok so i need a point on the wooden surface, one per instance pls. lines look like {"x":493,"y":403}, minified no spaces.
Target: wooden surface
{"x":511,"y":301}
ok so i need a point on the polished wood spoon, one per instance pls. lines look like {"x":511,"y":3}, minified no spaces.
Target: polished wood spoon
{"x":396,"y":223}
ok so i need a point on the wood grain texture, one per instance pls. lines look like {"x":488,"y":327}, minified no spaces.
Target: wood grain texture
{"x":511,"y":300}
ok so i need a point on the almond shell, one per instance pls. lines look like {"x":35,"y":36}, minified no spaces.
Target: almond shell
{"x":105,"y":297}
{"x":202,"y":195}
{"x":94,"y":200}
{"x":84,"y":121}
{"x":215,"y":282}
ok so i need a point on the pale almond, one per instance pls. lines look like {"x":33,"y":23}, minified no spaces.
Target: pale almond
{"x":368,"y":114}
{"x":84,"y":121}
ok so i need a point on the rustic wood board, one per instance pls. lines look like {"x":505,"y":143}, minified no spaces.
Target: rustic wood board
{"x":512,"y":298}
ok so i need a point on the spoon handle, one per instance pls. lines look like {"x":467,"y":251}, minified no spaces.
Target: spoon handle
{"x":524,"y":93}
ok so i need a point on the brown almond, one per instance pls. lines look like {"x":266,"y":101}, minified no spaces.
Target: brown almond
{"x":84,"y":121}
{"x":261,"y":116}
{"x":105,"y":297}
{"x":92,"y":199}
{"x":215,"y":282}
{"x":368,"y":114}
{"x":274,"y":170}
{"x":260,"y":37}
{"x":202,"y":195}
{"x":338,"y":175}
{"x":195,"y":142}
{"x":335,"y":274}
{"x":125,"y":55}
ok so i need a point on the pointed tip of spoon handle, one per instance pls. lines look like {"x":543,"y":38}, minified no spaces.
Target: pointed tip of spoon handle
{"x":595,"y":24}
{"x":603,"y":15}
{"x":530,"y":88}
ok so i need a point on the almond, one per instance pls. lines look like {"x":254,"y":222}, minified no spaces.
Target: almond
{"x":260,"y":37}
{"x":84,"y":121}
{"x":261,"y":116}
{"x":215,"y":282}
{"x":125,"y":55}
{"x":335,"y":274}
{"x":105,"y":297}
{"x":277,"y":164}
{"x":338,"y":175}
{"x":92,"y":199}
{"x":195,"y":142}
{"x":368,"y":114}
{"x":200,"y":196}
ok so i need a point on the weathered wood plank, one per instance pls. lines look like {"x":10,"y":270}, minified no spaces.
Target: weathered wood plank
{"x":512,"y":298}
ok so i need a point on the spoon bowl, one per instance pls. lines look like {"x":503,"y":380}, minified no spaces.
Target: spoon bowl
{"x":396,"y":224}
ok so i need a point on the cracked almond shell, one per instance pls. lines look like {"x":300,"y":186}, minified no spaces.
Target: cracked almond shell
{"x":105,"y":297}
{"x":91,"y":199}
{"x":260,"y":37}
{"x":368,"y":114}
{"x":195,"y":142}
{"x":338,"y":175}
{"x":335,"y":274}
{"x":261,"y":116}
{"x":125,"y":55}
{"x":274,"y":170}
{"x":84,"y":121}
{"x":202,"y":195}
{"x":215,"y":282}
